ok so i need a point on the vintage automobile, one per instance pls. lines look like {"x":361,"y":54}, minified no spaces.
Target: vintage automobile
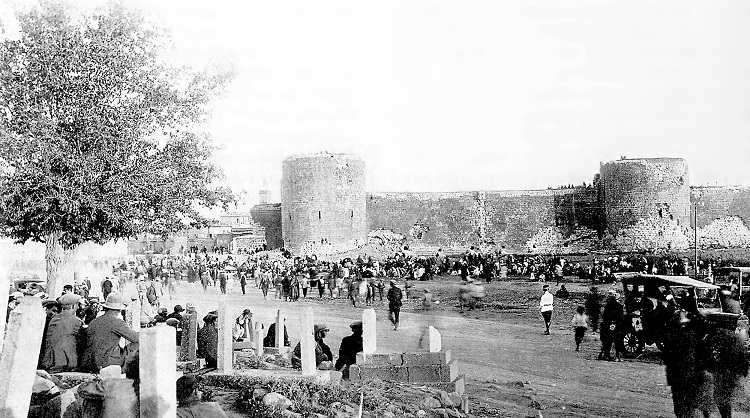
{"x":736,"y":279}
{"x":27,"y":283}
{"x":649,"y":308}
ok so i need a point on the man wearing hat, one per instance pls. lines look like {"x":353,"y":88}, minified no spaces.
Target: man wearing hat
{"x":613,"y":319}
{"x":51,"y":308}
{"x":545,"y":306}
{"x":728,"y":303}
{"x":208,"y":340}
{"x":63,"y":337}
{"x":323,"y":355}
{"x":177,"y":314}
{"x":350,"y":346}
{"x":103,"y":337}
{"x":394,"y":304}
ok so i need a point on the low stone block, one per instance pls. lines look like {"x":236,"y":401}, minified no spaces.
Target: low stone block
{"x":335,"y":377}
{"x":355,"y":372}
{"x":274,"y":350}
{"x":459,"y":385}
{"x":434,"y":373}
{"x":380,"y":359}
{"x":188,"y":366}
{"x":456,"y":387}
{"x":423,"y":359}
{"x":398,"y":373}
{"x":242,"y":345}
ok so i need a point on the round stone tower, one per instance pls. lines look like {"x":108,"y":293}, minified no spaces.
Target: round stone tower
{"x":323,"y":206}
{"x":641,"y":188}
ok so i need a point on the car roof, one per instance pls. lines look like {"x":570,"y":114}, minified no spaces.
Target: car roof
{"x":26,"y":277}
{"x":664,"y":280}
{"x":741,"y":269}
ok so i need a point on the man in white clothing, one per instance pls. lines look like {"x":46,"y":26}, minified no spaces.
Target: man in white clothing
{"x":545,"y":306}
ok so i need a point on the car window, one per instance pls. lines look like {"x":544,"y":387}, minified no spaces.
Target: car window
{"x":707,"y":298}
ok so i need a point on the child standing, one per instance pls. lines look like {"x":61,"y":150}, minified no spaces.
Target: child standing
{"x":580,"y":324}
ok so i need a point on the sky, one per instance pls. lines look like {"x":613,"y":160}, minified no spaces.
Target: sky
{"x":439,"y":95}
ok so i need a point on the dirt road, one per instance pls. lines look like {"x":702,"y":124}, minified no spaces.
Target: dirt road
{"x":509,"y":364}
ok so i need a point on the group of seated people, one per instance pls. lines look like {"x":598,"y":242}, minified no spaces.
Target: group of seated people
{"x":324,"y":359}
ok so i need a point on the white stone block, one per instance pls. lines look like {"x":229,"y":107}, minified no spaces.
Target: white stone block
{"x":158,"y":362}
{"x":369,"y":331}
{"x":224,"y":355}
{"x":307,"y":341}
{"x":4,"y":289}
{"x":436,"y":343}
{"x":19,"y":357}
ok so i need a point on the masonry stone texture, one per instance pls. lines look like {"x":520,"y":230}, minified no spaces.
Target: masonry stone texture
{"x":323,"y":202}
{"x":631,"y":204}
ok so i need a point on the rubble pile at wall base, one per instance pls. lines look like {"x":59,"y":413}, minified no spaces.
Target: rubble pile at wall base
{"x":551,"y":240}
{"x":729,"y":232}
{"x":653,"y":234}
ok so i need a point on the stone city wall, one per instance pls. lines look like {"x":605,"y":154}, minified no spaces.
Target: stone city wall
{"x":723,"y":215}
{"x":720,"y":202}
{"x":525,"y":220}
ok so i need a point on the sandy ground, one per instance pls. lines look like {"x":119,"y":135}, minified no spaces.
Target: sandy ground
{"x":508,"y":362}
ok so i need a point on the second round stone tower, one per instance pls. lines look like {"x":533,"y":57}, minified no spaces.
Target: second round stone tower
{"x":641,"y":188}
{"x":323,"y":203}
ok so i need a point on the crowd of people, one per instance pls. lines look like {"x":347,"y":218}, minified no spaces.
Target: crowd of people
{"x":89,"y":333}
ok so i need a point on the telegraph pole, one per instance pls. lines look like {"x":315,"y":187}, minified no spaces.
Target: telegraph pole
{"x":695,"y":238}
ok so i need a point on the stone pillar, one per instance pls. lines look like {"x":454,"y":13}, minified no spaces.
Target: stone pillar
{"x":224,"y":360}
{"x":258,"y":339}
{"x":436,"y":342}
{"x":189,"y":343}
{"x":369,"y":331}
{"x":307,"y":341}
{"x":4,"y":288}
{"x":23,"y":342}
{"x":157,"y":360}
{"x":134,"y":314}
{"x":279,"y":330}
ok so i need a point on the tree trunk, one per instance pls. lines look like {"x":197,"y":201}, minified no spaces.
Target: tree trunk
{"x":60,"y":265}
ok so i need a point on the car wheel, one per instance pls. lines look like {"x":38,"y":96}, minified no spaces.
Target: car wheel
{"x":633,"y":345}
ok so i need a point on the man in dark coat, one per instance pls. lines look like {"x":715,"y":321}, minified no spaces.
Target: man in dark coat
{"x":394,"y":304}
{"x":103,"y":337}
{"x":613,"y":319}
{"x":177,"y":314}
{"x":106,"y":288}
{"x":322,"y":351}
{"x":243,"y":281}
{"x":270,"y":338}
{"x":350,"y":346}
{"x":593,"y":308}
{"x":223,"y":282}
{"x":52,"y":308}
{"x":64,"y":337}
{"x":728,"y":303}
{"x":208,"y":340}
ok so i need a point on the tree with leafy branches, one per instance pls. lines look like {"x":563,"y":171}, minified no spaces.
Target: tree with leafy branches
{"x":100,"y":133}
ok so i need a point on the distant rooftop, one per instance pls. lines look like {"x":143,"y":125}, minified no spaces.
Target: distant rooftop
{"x":650,"y":160}
{"x":266,"y":206}
{"x":323,"y":154}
